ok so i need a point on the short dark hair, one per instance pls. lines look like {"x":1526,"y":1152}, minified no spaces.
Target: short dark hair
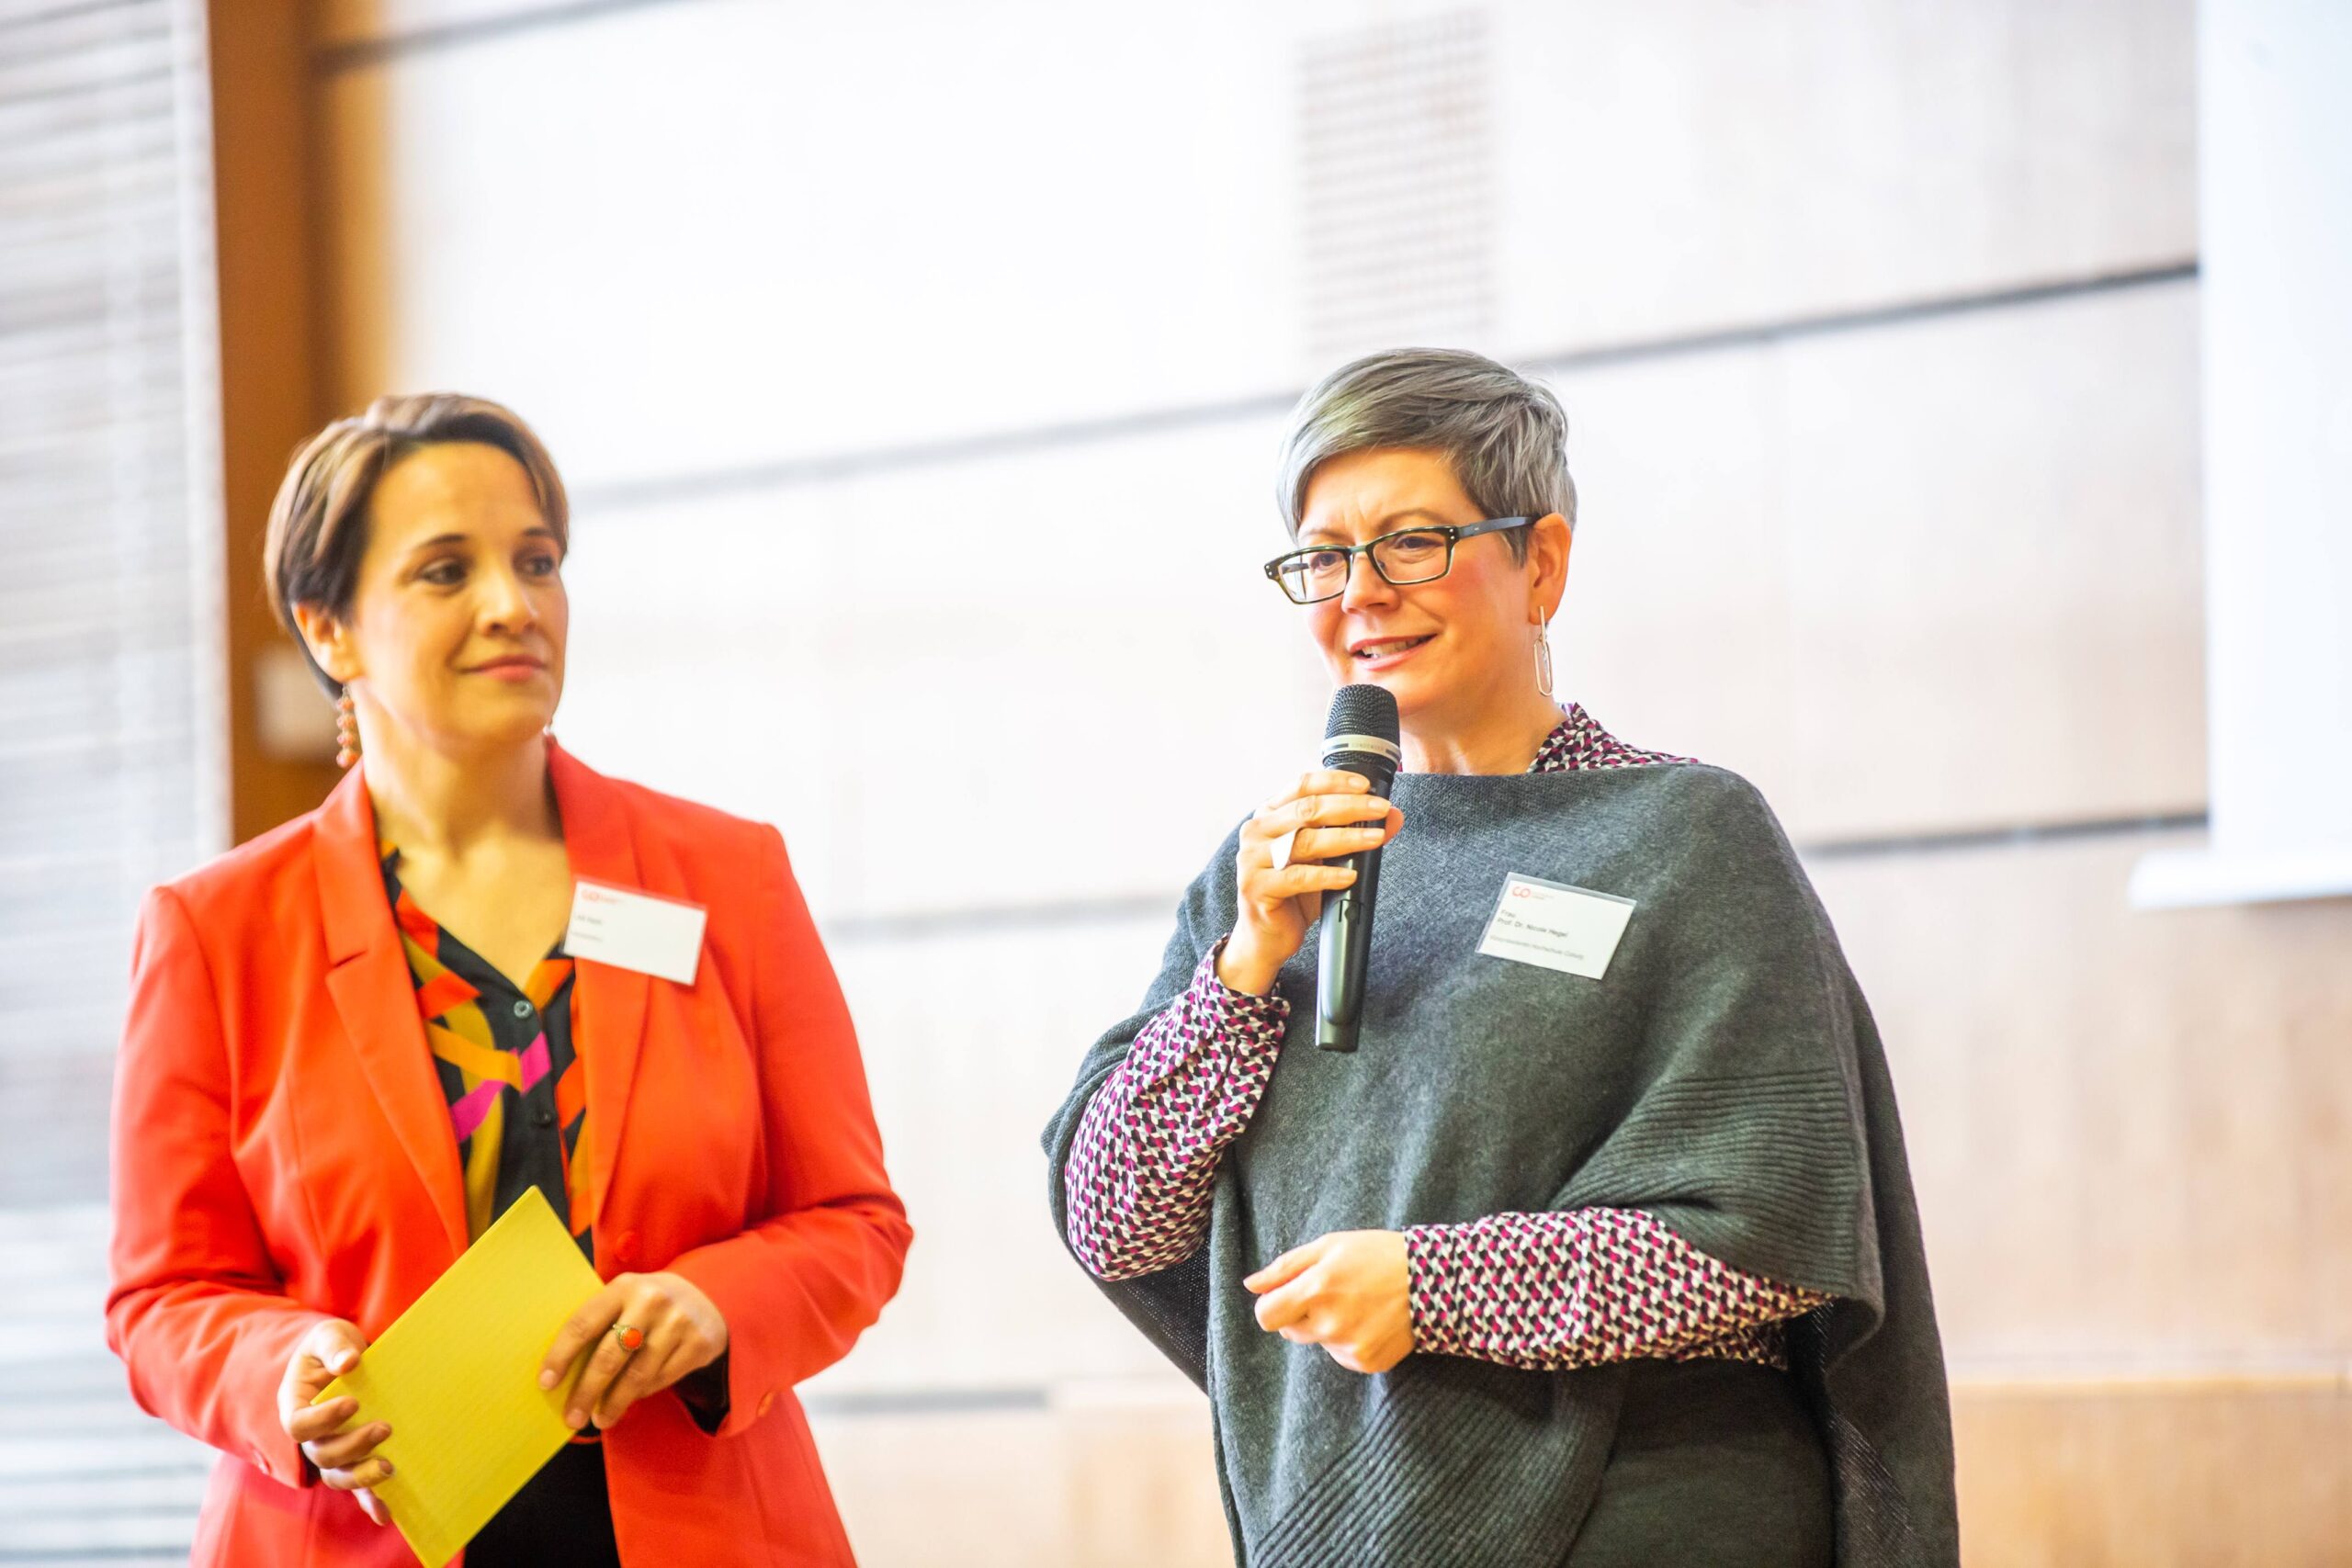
{"x":317,"y":523}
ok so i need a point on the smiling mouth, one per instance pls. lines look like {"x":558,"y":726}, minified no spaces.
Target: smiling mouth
{"x":1386,"y":648}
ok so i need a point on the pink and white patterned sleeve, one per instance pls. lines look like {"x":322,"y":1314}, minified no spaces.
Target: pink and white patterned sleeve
{"x":1143,"y":1165}
{"x":1583,"y":1287}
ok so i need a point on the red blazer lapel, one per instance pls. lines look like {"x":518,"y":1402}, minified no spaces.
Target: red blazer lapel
{"x":369,"y":978}
{"x":608,"y":1002}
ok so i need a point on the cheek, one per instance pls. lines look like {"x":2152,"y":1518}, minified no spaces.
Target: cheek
{"x":1323,"y":624}
{"x":1476,"y":617}
{"x":555,"y":618}
{"x":402,"y":642}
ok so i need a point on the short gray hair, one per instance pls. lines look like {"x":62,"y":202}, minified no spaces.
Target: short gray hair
{"x":1506,"y":436}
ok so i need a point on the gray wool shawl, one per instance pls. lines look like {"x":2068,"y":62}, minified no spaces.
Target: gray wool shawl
{"x":1723,"y":1076}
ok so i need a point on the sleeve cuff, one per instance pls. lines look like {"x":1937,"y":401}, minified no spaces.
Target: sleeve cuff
{"x":1258,"y":1020}
{"x":1432,"y":1270}
{"x":704,"y":1392}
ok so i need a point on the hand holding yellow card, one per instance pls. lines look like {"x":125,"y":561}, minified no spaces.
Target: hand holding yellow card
{"x":458,"y":1380}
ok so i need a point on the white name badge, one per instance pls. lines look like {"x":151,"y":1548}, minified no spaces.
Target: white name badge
{"x":635,"y":931}
{"x":1573,"y":929}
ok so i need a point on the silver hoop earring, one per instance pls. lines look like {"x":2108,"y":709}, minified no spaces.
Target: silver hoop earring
{"x":1543,"y":659}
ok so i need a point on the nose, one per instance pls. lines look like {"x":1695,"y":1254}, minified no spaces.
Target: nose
{"x":1365,"y":585}
{"x":506,"y":603}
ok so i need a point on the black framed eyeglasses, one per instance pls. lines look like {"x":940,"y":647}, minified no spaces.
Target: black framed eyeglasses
{"x":1409,"y":556}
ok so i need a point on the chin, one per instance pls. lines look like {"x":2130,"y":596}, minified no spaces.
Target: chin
{"x":1411,"y":688}
{"x":492,"y":732}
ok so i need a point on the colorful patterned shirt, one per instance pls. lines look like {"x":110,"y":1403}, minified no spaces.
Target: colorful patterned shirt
{"x":518,"y":1108}
{"x":517,"y":1092}
{"x":1545,"y":1290}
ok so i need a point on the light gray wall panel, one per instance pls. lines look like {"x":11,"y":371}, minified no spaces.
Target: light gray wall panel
{"x":1925,"y":579}
{"x":712,"y":235}
{"x":1918,"y":579}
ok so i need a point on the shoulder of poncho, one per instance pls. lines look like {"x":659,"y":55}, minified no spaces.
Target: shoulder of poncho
{"x":1683,"y":795}
{"x":1689,"y":795}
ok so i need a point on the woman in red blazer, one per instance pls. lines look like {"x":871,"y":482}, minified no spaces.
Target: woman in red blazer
{"x":352,"y":1041}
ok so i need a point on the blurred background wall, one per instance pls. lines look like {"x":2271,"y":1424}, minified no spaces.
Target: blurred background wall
{"x":916,"y":368}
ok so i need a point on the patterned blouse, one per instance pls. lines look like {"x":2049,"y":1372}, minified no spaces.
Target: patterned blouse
{"x":517,"y":1092}
{"x":1547,"y":1291}
{"x":517,"y":1095}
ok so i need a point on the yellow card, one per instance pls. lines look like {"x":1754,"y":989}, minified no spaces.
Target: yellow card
{"x":457,"y":1377}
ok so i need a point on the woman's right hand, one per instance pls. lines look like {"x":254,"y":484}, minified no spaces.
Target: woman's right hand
{"x":344,"y":1459}
{"x":1323,"y":814}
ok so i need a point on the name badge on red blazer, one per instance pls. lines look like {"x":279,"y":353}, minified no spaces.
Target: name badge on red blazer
{"x":629,"y":930}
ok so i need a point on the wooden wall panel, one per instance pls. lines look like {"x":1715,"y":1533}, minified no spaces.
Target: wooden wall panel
{"x":264,"y":201}
{"x":971,"y":1039}
{"x":344,"y":23}
{"x":1107,"y":1487}
{"x":2145,"y":1475}
{"x":2132,"y":1133}
{"x":2155,"y":1476}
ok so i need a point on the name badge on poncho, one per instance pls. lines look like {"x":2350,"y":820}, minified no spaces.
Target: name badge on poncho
{"x":1572,"y":929}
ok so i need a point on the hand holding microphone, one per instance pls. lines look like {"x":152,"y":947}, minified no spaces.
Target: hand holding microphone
{"x":1278,"y":875}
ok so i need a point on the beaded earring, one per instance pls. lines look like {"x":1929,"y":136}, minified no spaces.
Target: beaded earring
{"x":346,"y":732}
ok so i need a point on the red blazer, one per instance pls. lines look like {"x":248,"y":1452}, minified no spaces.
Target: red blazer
{"x":282,"y":1152}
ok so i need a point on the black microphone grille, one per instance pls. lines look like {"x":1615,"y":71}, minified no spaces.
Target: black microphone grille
{"x":1362,"y":710}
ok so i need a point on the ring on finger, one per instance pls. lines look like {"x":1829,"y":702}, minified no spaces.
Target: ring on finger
{"x":1283,"y":847}
{"x":632,"y":1339}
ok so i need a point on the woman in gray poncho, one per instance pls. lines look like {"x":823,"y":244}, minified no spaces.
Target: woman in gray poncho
{"x":1597,"y":1258}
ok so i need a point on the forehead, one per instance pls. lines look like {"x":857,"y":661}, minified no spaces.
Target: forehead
{"x":1359,"y":492}
{"x":461,"y":487}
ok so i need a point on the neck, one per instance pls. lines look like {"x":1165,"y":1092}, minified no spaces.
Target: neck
{"x":431,"y":802}
{"x":1500,"y":740}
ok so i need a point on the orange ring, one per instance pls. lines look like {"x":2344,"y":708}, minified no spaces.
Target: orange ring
{"x":631,"y":1340}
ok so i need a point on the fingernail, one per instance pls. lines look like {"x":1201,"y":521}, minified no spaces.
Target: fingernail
{"x":389,"y":1472}
{"x":575,"y":1420}
{"x":547,"y":1379}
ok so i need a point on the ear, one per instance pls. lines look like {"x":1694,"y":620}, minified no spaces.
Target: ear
{"x":1549,"y":540}
{"x":330,"y":643}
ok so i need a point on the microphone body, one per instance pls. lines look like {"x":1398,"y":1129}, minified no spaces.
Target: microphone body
{"x":1360,"y":737}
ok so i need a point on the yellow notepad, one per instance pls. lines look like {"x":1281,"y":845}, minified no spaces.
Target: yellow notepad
{"x":459,"y":1379}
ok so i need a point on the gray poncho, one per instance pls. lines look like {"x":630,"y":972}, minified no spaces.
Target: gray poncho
{"x":1722,"y":1074}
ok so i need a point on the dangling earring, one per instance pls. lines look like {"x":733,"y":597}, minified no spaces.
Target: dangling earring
{"x":347,"y":731}
{"x":1543,"y":659}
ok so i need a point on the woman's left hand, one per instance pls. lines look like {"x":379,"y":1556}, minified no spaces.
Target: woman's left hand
{"x":683,"y":1333}
{"x":1347,"y":1292}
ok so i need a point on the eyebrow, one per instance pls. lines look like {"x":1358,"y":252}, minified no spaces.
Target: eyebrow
{"x":1385,"y":522}
{"x":540,"y":529}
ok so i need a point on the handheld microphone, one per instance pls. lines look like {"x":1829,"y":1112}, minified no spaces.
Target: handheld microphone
{"x":1360,"y":737}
